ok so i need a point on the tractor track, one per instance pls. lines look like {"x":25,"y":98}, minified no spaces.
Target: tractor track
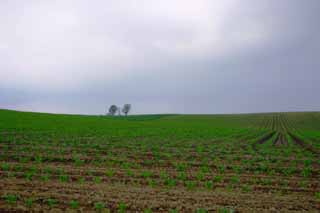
{"x":263,"y":140}
{"x":301,"y":143}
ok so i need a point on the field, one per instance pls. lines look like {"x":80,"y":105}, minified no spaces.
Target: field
{"x":160,"y":163}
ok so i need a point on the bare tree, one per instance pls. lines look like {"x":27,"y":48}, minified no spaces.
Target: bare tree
{"x":126,"y":109}
{"x":113,"y":109}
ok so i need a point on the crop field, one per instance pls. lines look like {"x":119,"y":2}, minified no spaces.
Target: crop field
{"x":160,"y":163}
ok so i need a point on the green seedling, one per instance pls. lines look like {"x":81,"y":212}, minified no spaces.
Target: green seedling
{"x":64,"y":178}
{"x":5,"y":167}
{"x":109,"y":173}
{"x":209,"y":184}
{"x":317,"y":194}
{"x":147,"y":211}
{"x":97,"y":179}
{"x":201,"y":210}
{"x":51,"y":202}
{"x":190,"y":185}
{"x":10,"y":198}
{"x":74,"y":204}
{"x":99,"y":206}
{"x":29,"y":202}
{"x":122,"y":207}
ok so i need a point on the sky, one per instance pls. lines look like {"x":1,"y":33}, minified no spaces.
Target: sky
{"x":168,"y":56}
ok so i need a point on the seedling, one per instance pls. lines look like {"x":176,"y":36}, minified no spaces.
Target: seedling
{"x":29,"y":176}
{"x":209,"y":184}
{"x":130,"y":173}
{"x":317,"y":194}
{"x":201,"y":210}
{"x":306,"y":172}
{"x":109,"y":173}
{"x":81,"y":180}
{"x":182,"y":176}
{"x":246,"y":188}
{"x":170,"y":182}
{"x":64,"y":178}
{"x":97,"y":179}
{"x":225,"y":210}
{"x":51,"y":202}
{"x":217,"y":179}
{"x":200,"y":176}
{"x":190,"y":185}
{"x":235,"y":180}
{"x":5,"y":167}
{"x":221,"y":169}
{"x":10,"y":198}
{"x":74,"y":204}
{"x":99,"y":206}
{"x":147,"y":211}
{"x":45,"y":177}
{"x":29,"y":202}
{"x":146,"y":174}
{"x":122,"y":207}
{"x":151,"y":182}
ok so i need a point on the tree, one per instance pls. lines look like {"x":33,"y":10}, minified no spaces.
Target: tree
{"x":112,"y":110}
{"x":126,"y":109}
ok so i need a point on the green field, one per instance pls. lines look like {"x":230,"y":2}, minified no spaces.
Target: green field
{"x":160,"y":163}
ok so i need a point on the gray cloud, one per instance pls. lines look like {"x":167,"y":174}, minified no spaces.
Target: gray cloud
{"x":161,"y":56}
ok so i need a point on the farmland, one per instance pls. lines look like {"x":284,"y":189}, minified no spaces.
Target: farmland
{"x":160,"y":163}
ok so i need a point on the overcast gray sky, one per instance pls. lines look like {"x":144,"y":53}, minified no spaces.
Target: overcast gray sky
{"x":168,"y":56}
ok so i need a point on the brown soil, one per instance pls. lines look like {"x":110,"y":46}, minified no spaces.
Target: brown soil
{"x":158,"y":199}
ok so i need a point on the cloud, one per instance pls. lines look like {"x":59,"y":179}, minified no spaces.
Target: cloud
{"x":160,"y":56}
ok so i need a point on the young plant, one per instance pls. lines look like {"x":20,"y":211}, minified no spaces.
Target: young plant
{"x":151,"y":182}
{"x":246,"y":188}
{"x":81,"y":180}
{"x":190,"y":185}
{"x":235,"y":180}
{"x":170,"y":182}
{"x":122,"y":207}
{"x":64,"y":178}
{"x":51,"y":202}
{"x":97,"y":179}
{"x":29,"y":202}
{"x":182,"y":176}
{"x":38,"y":159}
{"x":109,"y":173}
{"x":147,"y":210}
{"x":317,"y":194}
{"x":5,"y":167}
{"x":225,"y":210}
{"x":221,"y":169}
{"x":10,"y":198}
{"x":146,"y":174}
{"x":29,"y":176}
{"x":200,"y":176}
{"x":74,"y":204}
{"x":45,"y":177}
{"x":130,"y":173}
{"x":306,"y":172}
{"x":209,"y":184}
{"x":217,"y":179}
{"x":201,"y":210}
{"x":99,"y":206}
